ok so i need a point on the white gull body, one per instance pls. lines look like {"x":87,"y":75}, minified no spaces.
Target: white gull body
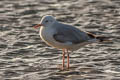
{"x":63,"y":36}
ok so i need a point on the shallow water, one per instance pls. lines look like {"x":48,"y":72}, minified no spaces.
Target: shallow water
{"x":24,"y":56}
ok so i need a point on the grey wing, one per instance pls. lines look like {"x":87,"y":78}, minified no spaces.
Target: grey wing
{"x":63,"y":38}
{"x":67,"y":33}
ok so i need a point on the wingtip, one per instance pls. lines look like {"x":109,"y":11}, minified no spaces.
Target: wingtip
{"x":103,"y":39}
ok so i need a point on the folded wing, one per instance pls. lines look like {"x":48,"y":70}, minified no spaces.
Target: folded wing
{"x":66,"y":33}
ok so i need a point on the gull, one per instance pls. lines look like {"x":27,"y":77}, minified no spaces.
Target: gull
{"x":65,"y":37}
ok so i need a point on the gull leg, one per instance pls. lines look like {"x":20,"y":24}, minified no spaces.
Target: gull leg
{"x":68,"y":65}
{"x":63,"y":59}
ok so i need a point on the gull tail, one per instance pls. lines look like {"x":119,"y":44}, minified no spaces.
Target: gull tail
{"x":103,"y":39}
{"x":99,"y":38}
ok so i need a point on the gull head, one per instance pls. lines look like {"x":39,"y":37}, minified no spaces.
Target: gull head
{"x":46,"y":21}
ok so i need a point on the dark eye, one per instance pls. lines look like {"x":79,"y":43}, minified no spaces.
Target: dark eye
{"x":46,"y":21}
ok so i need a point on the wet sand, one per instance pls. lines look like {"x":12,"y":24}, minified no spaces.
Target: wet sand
{"x":24,"y":56}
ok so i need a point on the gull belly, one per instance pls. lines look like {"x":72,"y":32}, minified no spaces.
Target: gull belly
{"x":46,"y":34}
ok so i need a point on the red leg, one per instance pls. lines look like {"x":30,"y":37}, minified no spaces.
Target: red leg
{"x":63,"y":58}
{"x":68,"y":65}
